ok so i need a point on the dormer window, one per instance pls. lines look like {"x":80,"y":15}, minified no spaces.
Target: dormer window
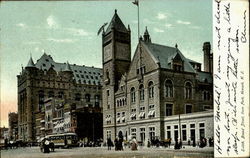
{"x":177,"y":63}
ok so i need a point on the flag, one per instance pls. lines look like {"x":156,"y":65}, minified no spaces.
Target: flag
{"x":136,"y":2}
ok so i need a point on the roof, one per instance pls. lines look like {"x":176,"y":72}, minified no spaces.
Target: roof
{"x":30,"y":63}
{"x":117,"y":24}
{"x":164,"y":54}
{"x":192,"y":61}
{"x":82,"y":74}
{"x":202,"y":76}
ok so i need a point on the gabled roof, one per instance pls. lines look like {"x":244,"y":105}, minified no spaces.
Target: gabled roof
{"x":30,"y":63}
{"x":117,"y":24}
{"x":163,"y":55}
{"x":82,"y":74}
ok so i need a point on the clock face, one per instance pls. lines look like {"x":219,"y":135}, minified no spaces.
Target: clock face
{"x":122,"y":51}
{"x":107,"y":53}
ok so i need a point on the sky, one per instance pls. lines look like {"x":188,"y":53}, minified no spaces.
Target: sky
{"x":67,"y":30}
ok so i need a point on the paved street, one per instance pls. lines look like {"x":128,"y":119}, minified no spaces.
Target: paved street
{"x":102,"y":152}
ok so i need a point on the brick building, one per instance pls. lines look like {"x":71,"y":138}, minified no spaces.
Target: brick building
{"x":72,"y":87}
{"x":145,"y":97}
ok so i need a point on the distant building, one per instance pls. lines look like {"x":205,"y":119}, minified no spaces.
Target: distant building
{"x":13,"y":126}
{"x":159,"y":94}
{"x":3,"y":135}
{"x":46,"y":86}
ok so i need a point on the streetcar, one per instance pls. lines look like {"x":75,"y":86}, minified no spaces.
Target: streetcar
{"x":64,"y":139}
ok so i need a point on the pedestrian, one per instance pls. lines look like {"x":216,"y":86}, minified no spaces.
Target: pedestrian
{"x":169,"y":142}
{"x":116,"y":144}
{"x":149,"y":143}
{"x":109,"y":142}
{"x":134,"y":144}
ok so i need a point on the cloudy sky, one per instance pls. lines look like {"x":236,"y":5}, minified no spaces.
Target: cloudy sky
{"x":68,"y":32}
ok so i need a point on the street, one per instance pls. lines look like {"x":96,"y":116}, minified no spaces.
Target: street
{"x":102,"y":152}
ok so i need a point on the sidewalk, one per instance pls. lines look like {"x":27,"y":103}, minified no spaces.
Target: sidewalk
{"x":183,"y":149}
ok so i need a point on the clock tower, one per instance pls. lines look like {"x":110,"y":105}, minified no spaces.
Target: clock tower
{"x":116,"y":59}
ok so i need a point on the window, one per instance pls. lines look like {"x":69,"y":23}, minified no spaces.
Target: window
{"x":118,"y":119}
{"x":97,"y":100}
{"x":108,"y":134}
{"x":142,"y":112}
{"x":141,"y":92}
{"x":123,"y":117}
{"x":202,"y":130}
{"x":133,"y":114}
{"x":107,"y":92}
{"x":141,"y":70}
{"x":41,"y":100}
{"x":87,"y":97}
{"x":108,"y":119}
{"x":151,"y":112}
{"x":188,"y":90}
{"x":150,"y":89}
{"x":60,"y":95}
{"x":77,"y":96}
{"x":176,"y":133}
{"x":184,"y":132}
{"x":168,"y":132}
{"x":51,"y":94}
{"x":142,"y":134}
{"x":188,"y":109}
{"x":133,"y":132}
{"x":169,"y":88}
{"x":169,"y":109}
{"x":132,"y":94}
{"x":206,"y":95}
{"x":152,"y":133}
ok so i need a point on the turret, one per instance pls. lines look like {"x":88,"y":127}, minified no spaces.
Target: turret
{"x":146,"y":36}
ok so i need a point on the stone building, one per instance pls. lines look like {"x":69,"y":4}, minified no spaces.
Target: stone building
{"x":77,"y":87}
{"x":158,"y":93}
{"x":13,"y":125}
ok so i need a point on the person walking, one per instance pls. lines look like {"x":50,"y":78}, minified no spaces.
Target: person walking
{"x":109,"y":142}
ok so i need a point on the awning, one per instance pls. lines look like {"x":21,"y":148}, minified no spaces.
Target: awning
{"x":132,"y":115}
{"x":118,"y":119}
{"x":123,"y":118}
{"x":142,"y":114}
{"x":153,"y":112}
{"x":149,"y":113}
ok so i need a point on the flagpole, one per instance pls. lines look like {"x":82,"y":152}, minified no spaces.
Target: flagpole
{"x":138,"y":21}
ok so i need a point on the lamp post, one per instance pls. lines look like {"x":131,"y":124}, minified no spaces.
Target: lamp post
{"x":180,"y":125}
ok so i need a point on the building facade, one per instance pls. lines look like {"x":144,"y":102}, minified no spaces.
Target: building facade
{"x":145,"y":96}
{"x":13,"y":126}
{"x":47,"y":86}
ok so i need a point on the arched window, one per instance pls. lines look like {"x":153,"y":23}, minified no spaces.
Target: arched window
{"x":141,"y":92}
{"x":169,"y":88}
{"x":60,"y":94}
{"x":151,"y":89}
{"x":77,"y":96}
{"x":51,"y":94}
{"x":188,"y":90}
{"x":87,"y":97}
{"x":132,"y":94}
